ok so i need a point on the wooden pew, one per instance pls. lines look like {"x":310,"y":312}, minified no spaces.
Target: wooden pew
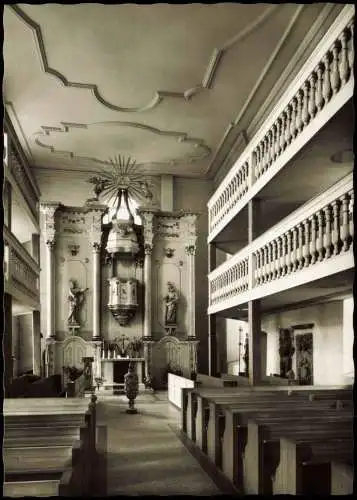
{"x":43,"y":439}
{"x":188,"y":405}
{"x":216,"y":421}
{"x":341,"y":478}
{"x":235,"y":430}
{"x":198,"y":401}
{"x":262,"y":452}
{"x":302,"y":458}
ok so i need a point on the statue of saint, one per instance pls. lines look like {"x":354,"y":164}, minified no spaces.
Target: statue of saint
{"x":75,"y":299}
{"x":171,"y":300}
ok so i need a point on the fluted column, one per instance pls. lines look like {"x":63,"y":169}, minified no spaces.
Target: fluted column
{"x":96,"y":292}
{"x":191,"y":252}
{"x":96,"y":212}
{"x":148,"y":285}
{"x":49,"y":209}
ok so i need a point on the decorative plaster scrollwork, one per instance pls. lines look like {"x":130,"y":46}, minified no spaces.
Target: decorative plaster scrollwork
{"x":168,"y":227}
{"x":148,"y":219}
{"x":96,"y":228}
{"x":49,"y":210}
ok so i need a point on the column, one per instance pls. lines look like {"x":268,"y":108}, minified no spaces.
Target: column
{"x":212,"y":346}
{"x":49,"y":209}
{"x":36,"y":340}
{"x":147,"y":285}
{"x":254,"y":336}
{"x":212,"y":339}
{"x":254,"y":320}
{"x":7,"y":342}
{"x":96,"y":211}
{"x":96,"y":291}
{"x":50,"y":297}
{"x":191,"y":305}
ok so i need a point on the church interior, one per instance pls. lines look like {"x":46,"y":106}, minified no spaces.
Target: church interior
{"x":178,"y":241}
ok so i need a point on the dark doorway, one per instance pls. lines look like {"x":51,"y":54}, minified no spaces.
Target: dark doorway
{"x":120,"y":369}
{"x":304,"y":358}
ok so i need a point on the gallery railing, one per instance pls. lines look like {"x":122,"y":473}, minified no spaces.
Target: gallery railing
{"x":319,"y":231}
{"x":20,"y":269}
{"x":321,"y":88}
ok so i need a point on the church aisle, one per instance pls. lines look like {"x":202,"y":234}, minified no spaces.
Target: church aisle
{"x":145,"y":457}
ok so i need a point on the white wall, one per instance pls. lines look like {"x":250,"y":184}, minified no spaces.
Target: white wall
{"x":194,"y":194}
{"x":348,"y":337}
{"x":328,"y":329}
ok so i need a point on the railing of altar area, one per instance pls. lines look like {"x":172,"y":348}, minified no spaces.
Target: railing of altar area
{"x":323,"y":85}
{"x":21,"y":271}
{"x":318,"y":233}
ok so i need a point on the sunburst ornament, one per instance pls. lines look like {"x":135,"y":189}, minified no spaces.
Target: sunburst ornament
{"x":124,"y":176}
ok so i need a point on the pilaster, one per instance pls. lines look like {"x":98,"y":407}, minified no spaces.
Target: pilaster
{"x":49,"y":235}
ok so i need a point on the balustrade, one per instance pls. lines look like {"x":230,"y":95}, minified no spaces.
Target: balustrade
{"x":21,"y":270}
{"x":321,"y":234}
{"x":322,"y":83}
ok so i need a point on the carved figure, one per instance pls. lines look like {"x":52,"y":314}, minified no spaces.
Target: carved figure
{"x":171,"y":299}
{"x":131,"y":387}
{"x":286,"y":351}
{"x":75,"y":299}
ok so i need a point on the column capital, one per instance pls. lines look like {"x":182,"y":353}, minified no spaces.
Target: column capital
{"x":49,"y":209}
{"x":96,"y":247}
{"x":148,"y":249}
{"x":190,"y":250}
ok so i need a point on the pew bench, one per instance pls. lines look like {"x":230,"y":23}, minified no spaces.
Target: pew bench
{"x":263,"y":449}
{"x":204,"y":406}
{"x":306,"y":464}
{"x":235,"y":432}
{"x":55,"y":440}
{"x":217,"y":424}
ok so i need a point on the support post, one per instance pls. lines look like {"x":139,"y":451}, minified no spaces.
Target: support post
{"x":254,"y":336}
{"x":7,"y":343}
{"x":212,"y":346}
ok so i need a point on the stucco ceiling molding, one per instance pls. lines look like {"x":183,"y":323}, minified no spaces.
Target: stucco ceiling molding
{"x":200,"y":148}
{"x":159,"y":95}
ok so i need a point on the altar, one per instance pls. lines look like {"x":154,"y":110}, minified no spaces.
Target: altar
{"x":114,"y":369}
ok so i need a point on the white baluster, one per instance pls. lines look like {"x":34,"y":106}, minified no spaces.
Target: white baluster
{"x":319,"y":82}
{"x":300,"y":246}
{"x":295,"y":249}
{"x":351,"y":53}
{"x":313,"y":239}
{"x":306,"y":253}
{"x":335,"y":75}
{"x":351,"y":226}
{"x":298,"y":121}
{"x":293,"y":119}
{"x":336,"y":227}
{"x":326,"y":87}
{"x":345,"y":237}
{"x":343,"y":67}
{"x":312,"y":103}
{"x":320,"y":235}
{"x":327,"y":235}
{"x":282,"y":132}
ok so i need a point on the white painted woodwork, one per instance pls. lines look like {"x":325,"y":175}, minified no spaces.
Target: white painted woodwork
{"x":263,"y":158}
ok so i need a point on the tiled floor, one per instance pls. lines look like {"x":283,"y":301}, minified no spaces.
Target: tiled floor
{"x":145,"y":457}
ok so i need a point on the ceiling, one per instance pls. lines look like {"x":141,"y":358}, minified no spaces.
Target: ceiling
{"x":159,"y":82}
